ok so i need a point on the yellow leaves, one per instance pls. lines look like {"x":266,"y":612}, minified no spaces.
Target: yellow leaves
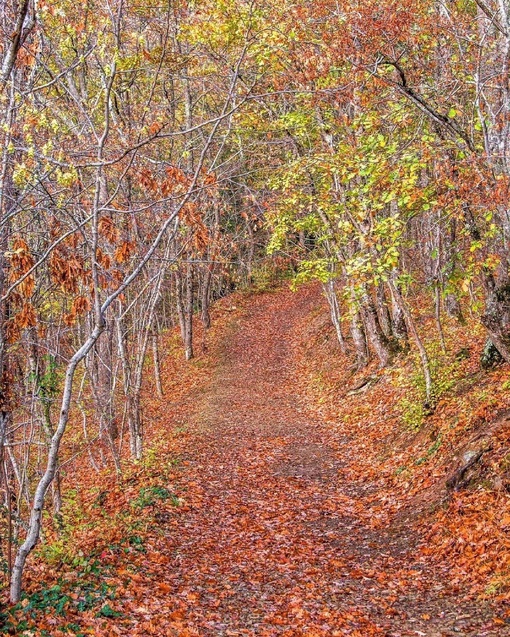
{"x":21,"y":175}
{"x":66,"y":178}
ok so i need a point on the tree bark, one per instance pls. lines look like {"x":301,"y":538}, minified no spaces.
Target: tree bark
{"x":188,"y":314}
{"x":383,"y":311}
{"x":383,"y":347}
{"x":360,"y":340}
{"x":157,"y":364}
{"x":334,"y":308}
{"x":206,"y":296}
{"x":411,"y":326}
{"x":398,"y":321}
{"x":496,"y":317}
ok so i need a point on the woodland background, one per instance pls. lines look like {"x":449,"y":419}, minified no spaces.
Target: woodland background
{"x":159,"y":156}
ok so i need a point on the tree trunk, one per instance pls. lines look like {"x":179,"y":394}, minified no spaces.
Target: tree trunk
{"x":496,"y":318}
{"x":382,"y":346}
{"x":411,"y":327}
{"x":206,"y":295}
{"x":360,"y":340}
{"x":398,"y":321}
{"x":437,"y":307}
{"x":188,"y":314}
{"x":34,"y":525}
{"x":334,"y":308}
{"x":179,"y":298}
{"x":102,"y":386}
{"x":383,"y":311}
{"x":451,"y":301}
{"x":453,"y":308}
{"x":184,"y":289}
{"x":157,"y":365}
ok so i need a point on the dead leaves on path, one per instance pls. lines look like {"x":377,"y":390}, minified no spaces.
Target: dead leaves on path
{"x":257,"y":514}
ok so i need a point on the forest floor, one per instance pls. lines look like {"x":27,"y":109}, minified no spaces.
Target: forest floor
{"x":272,"y":527}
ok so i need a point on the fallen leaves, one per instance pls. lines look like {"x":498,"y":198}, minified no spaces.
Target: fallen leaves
{"x":285,"y":515}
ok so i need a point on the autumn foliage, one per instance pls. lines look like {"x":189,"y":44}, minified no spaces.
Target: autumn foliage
{"x":254,"y":316}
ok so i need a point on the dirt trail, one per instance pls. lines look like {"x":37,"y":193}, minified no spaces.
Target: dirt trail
{"x":278,"y":545}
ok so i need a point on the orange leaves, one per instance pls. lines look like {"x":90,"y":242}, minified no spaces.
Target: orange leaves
{"x":276,"y":537}
{"x":473,"y":534}
{"x":66,"y":271}
{"x":155,"y":128}
{"x":148,"y":181}
{"x":124,"y":252}
{"x":209,"y":178}
{"x":190,"y":215}
{"x":103,"y":259}
{"x":81,"y":305}
{"x":21,"y":262}
{"x":107,"y":229}
{"x":27,"y":317}
{"x":24,"y":318}
{"x":176,"y":182}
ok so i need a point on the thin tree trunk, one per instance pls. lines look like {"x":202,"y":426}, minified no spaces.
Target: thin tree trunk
{"x":360,"y":340}
{"x":334,"y":308}
{"x":382,"y":346}
{"x":179,"y":297}
{"x":437,"y":313}
{"x":383,"y":311}
{"x":205,"y":296}
{"x":453,"y":308}
{"x":157,"y":364}
{"x":411,"y":327}
{"x":34,"y":525}
{"x":188,"y":314}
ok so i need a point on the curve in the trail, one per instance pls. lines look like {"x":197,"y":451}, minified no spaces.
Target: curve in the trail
{"x":280,"y":545}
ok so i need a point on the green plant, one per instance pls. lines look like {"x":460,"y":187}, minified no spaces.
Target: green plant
{"x":430,"y":452}
{"x":446,"y":373}
{"x":413,"y":413}
{"x":137,"y":543}
{"x":150,"y":495}
{"x":108,"y":611}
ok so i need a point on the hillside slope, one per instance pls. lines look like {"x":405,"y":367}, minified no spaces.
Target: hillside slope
{"x":273,"y":503}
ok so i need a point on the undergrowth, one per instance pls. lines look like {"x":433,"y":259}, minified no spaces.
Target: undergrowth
{"x":410,"y":449}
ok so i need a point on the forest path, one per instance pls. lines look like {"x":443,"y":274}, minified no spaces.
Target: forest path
{"x":279,"y":544}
